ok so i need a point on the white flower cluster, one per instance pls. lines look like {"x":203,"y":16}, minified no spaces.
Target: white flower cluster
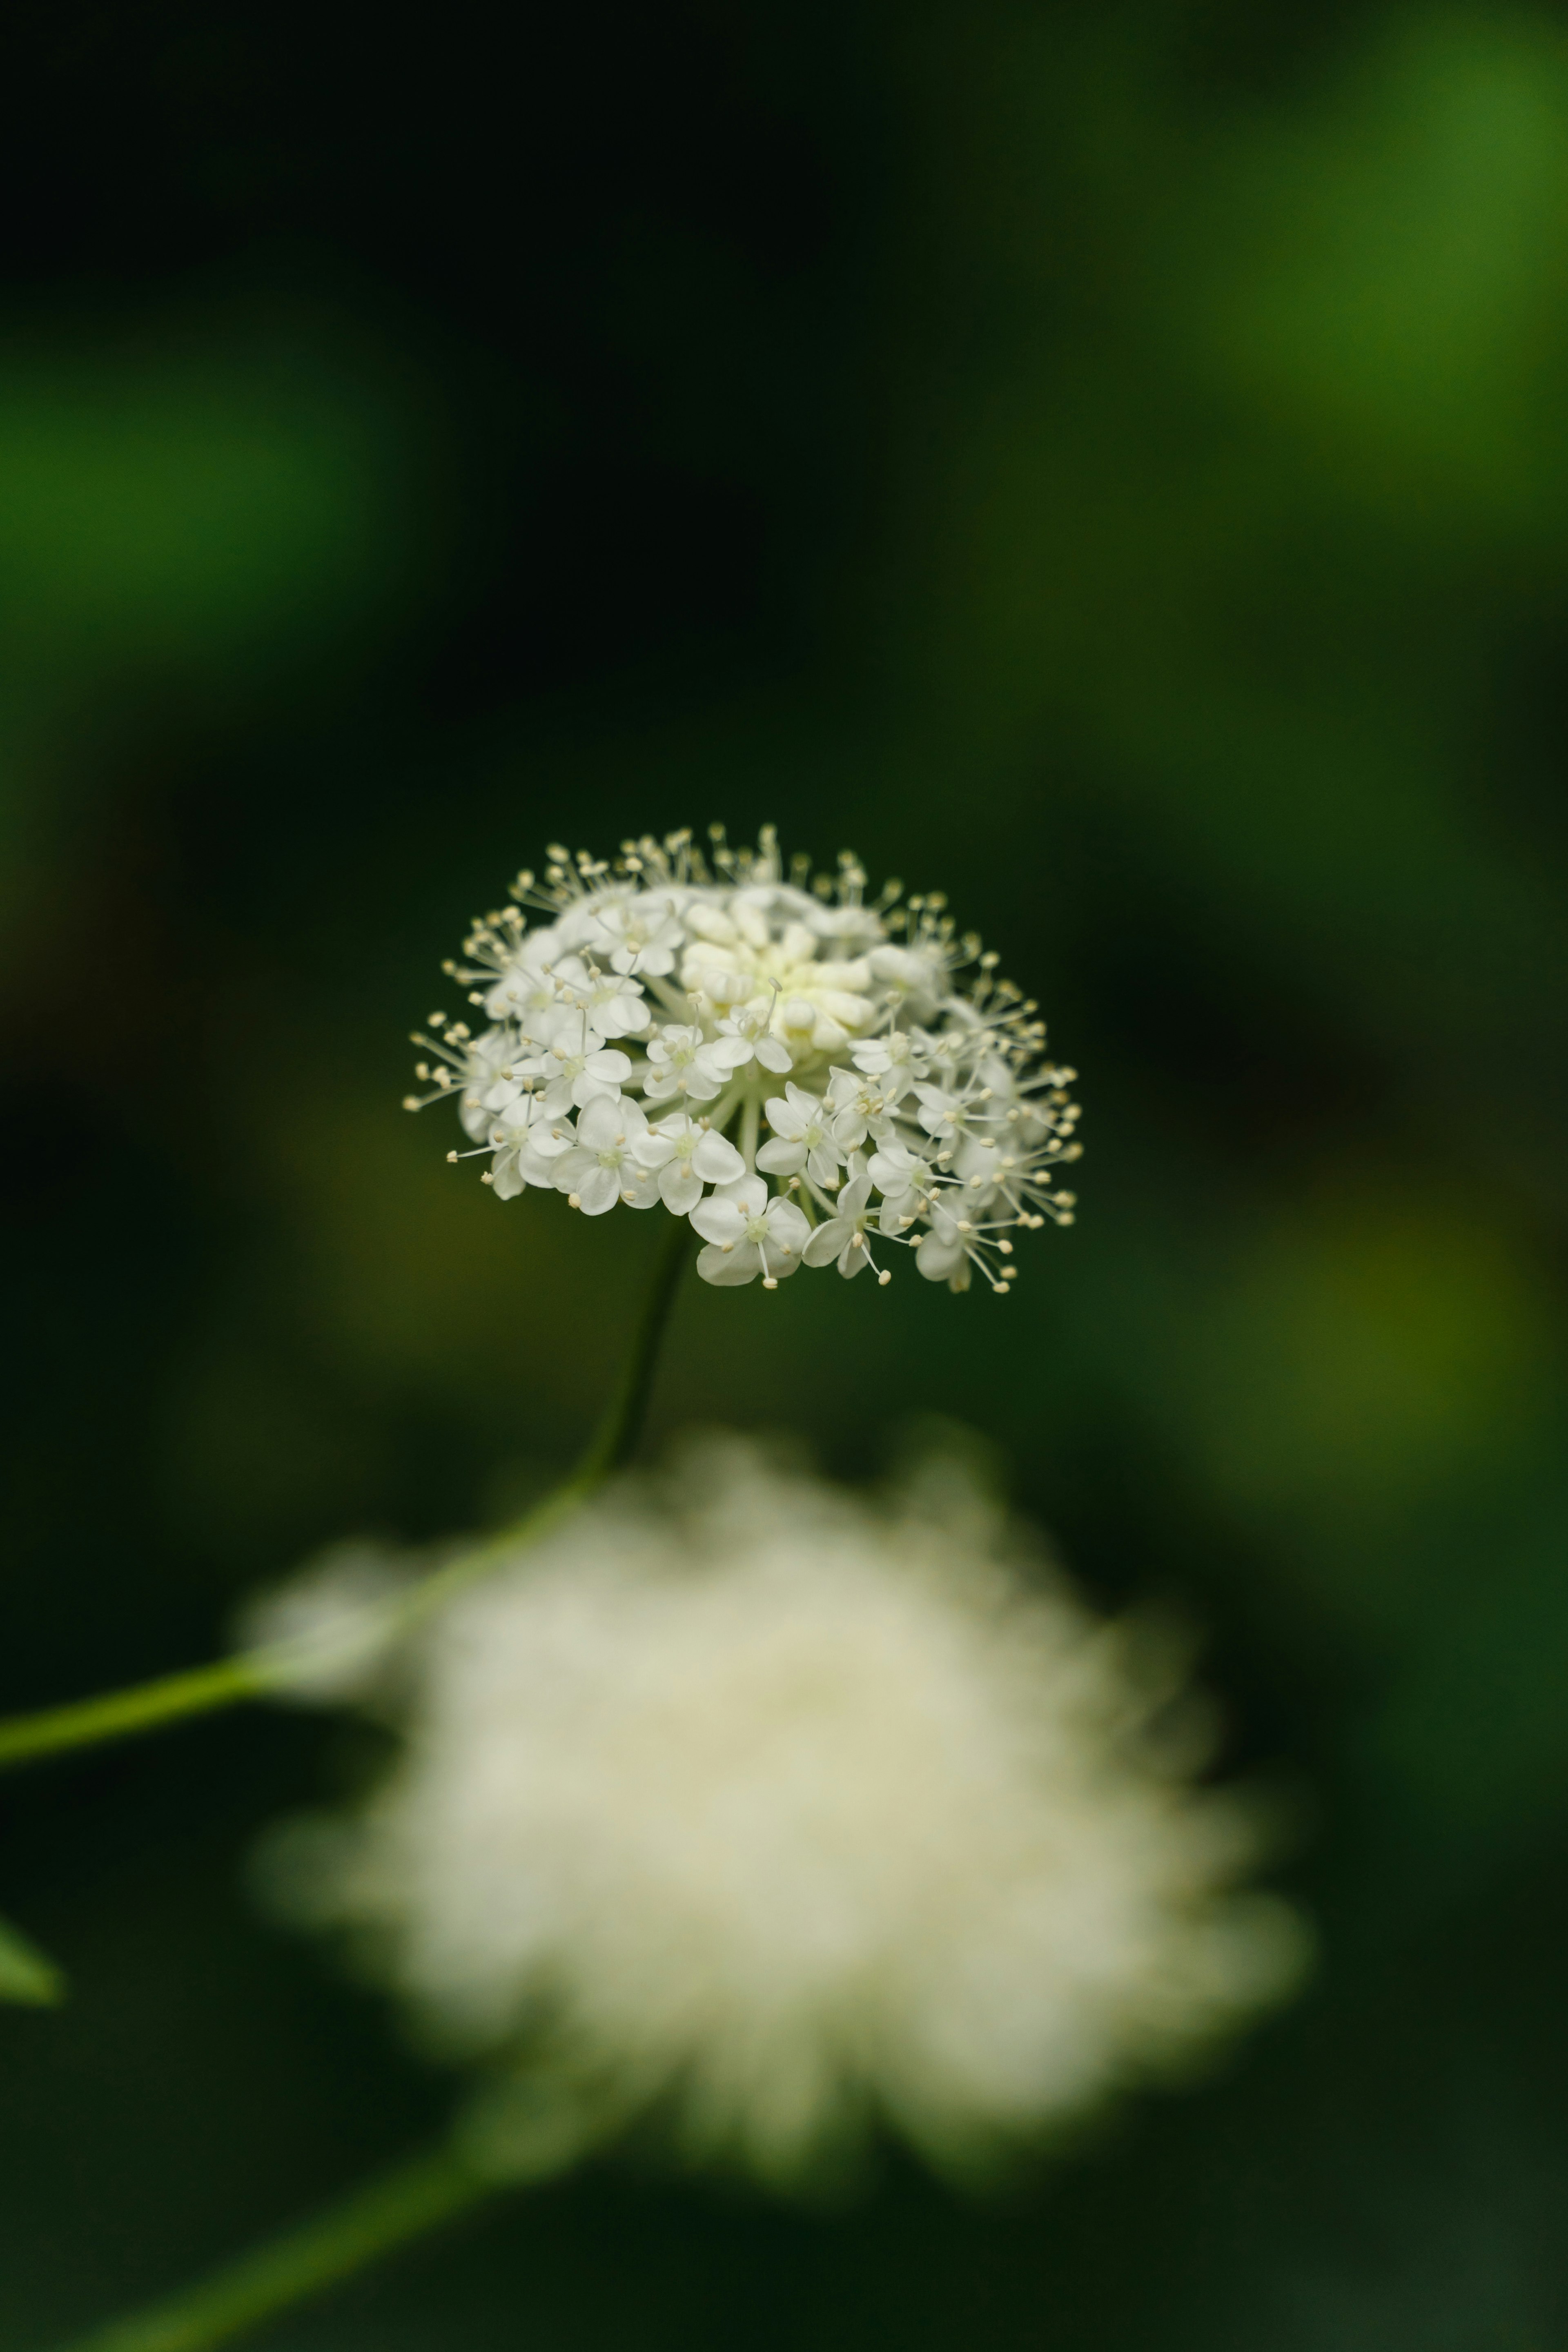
{"x":746,"y":1803}
{"x":636,"y":1038}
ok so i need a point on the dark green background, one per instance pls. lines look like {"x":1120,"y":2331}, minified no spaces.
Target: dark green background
{"x":1109,"y":462}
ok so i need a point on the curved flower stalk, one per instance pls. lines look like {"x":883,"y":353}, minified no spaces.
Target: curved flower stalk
{"x":281,"y":1656}
{"x":633,"y":1040}
{"x":750,"y":1804}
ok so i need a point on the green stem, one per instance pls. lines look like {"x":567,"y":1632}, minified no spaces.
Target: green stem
{"x":369,"y":2223}
{"x":231,"y":1682}
{"x":750,"y":1121}
{"x":119,"y":1714}
{"x":614,"y":1442}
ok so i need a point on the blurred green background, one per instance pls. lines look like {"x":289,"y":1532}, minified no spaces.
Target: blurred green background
{"x":1110,"y":464}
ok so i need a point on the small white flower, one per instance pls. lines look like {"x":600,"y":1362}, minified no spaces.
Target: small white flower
{"x":681,"y":1061}
{"x":896,"y":1061}
{"x":603,"y":1166}
{"x":528,"y":1144}
{"x":843,"y":1239}
{"x":578,"y":1069}
{"x":685,"y":1155}
{"x":490,"y":1082}
{"x":907,"y":1183}
{"x":942,"y":1114}
{"x":524,"y":989}
{"x":860,"y":1107}
{"x":750,"y":1029}
{"x":787,"y":1815}
{"x":644,"y":935}
{"x":749,"y":1233}
{"x":915,"y":981}
{"x":803,"y":1139}
{"x":945,"y":1253}
{"x":614,"y":1006}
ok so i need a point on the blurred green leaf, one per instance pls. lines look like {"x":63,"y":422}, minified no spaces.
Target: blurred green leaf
{"x":27,"y":1975}
{"x":189,"y":510}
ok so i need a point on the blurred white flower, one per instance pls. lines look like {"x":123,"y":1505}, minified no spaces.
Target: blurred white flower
{"x":330,"y":1632}
{"x":697,"y":981}
{"x":776,"y":1812}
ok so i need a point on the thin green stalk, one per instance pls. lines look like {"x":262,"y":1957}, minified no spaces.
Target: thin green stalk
{"x":609,"y":1449}
{"x":614,"y":1442}
{"x":370,"y":2222}
{"x":231,"y":1682}
{"x":119,"y":1714}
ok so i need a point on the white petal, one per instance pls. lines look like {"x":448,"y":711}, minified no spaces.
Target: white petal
{"x":730,"y":1270}
{"x":729,"y":1053}
{"x":599,"y":1191}
{"x":601,"y":1122}
{"x":535,"y":1171}
{"x":748,"y":1194}
{"x":716,"y":1159}
{"x":550,"y":1138}
{"x":937,"y":1257}
{"x":702,"y":1080}
{"x":788,"y":1227}
{"x":679,"y":1189}
{"x":718,"y":1220}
